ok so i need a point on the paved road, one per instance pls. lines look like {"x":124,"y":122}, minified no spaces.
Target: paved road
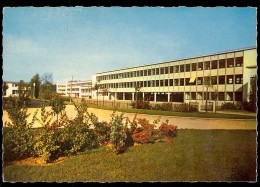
{"x":181,"y":122}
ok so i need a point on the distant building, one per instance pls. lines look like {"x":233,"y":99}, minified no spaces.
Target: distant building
{"x":182,"y":80}
{"x":80,"y":89}
{"x":13,"y":89}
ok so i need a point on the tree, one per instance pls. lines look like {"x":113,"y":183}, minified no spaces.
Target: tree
{"x":96,"y":87}
{"x":21,"y":87}
{"x":252,"y":95}
{"x":46,"y":86}
{"x":5,"y":87}
{"x":137,"y":89}
{"x":35,"y":85}
{"x":208,"y":83}
{"x":216,"y":95}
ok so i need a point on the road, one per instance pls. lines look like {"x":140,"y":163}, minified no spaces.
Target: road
{"x":181,"y":122}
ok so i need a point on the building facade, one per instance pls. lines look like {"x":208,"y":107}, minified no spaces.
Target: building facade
{"x":13,"y":89}
{"x":184,"y":80}
{"x":80,"y":89}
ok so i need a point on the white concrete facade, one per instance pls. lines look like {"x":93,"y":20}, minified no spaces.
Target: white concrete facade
{"x":80,"y":89}
{"x":182,"y":80}
{"x":13,"y":89}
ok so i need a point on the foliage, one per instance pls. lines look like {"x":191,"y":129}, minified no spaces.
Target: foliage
{"x":169,"y":131}
{"x":117,"y":133}
{"x":252,"y":95}
{"x":57,"y":104}
{"x":163,"y":107}
{"x":184,"y":107}
{"x":228,"y":106}
{"x":35,"y":89}
{"x":141,"y":104}
{"x":18,"y":139}
{"x":5,"y":87}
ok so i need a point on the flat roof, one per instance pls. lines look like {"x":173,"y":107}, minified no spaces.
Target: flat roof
{"x":218,"y":53}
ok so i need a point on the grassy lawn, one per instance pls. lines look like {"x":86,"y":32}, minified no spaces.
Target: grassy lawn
{"x":171,"y":113}
{"x":195,"y":155}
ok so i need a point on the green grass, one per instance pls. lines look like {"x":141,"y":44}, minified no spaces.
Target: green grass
{"x":195,"y":155}
{"x":171,"y":113}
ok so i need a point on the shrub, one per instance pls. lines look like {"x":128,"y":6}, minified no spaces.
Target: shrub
{"x":163,"y":107}
{"x":18,"y":140}
{"x":169,"y":131}
{"x":184,"y":107}
{"x":228,"y":106}
{"x":141,"y":104}
{"x":117,"y":134}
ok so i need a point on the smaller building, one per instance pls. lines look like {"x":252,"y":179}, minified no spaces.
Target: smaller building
{"x":13,"y":88}
{"x":76,"y":88}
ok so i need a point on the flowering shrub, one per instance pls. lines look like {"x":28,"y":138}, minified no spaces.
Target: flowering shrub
{"x":169,"y":131}
{"x":57,"y":104}
{"x":141,"y":104}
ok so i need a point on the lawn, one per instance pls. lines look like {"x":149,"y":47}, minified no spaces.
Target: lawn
{"x":195,"y":155}
{"x":172,"y":113}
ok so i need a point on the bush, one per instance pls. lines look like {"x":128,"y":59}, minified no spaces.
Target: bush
{"x":163,"y":107}
{"x":169,"y":131}
{"x":228,"y":106}
{"x":184,"y":107}
{"x":141,"y":104}
{"x":117,"y":134}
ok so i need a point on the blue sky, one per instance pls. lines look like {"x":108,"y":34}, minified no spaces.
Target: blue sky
{"x":82,"y":41}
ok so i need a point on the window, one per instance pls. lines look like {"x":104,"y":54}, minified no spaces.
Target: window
{"x":152,"y":83}
{"x":182,"y":82}
{"x":153,"y":71}
{"x":188,"y":67}
{"x":157,"y":83}
{"x":194,"y":66}
{"x":221,"y":80}
{"x":221,"y":96}
{"x":239,"y":61}
{"x":181,"y":68}
{"x":229,"y":96}
{"x":176,"y":69}
{"x":161,"y":71}
{"x":214,"y":64}
{"x":206,"y":95}
{"x":213,"y":96}
{"x":141,"y":83}
{"x":166,"y":82}
{"x":187,"y":80}
{"x":230,"y":62}
{"x":148,"y":83}
{"x":238,"y":96}
{"x":239,"y":79}
{"x":229,"y":79}
{"x":214,"y":80}
{"x":137,"y":73}
{"x":171,"y":69}
{"x":141,"y":73}
{"x":199,"y":81}
{"x":193,"y":95}
{"x":171,"y":82}
{"x":176,"y":82}
{"x":222,"y":63}
{"x":149,"y":72}
{"x":166,"y":70}
{"x":145,"y":72}
{"x":157,"y":71}
{"x":206,"y":65}
{"x":200,"y":66}
{"x":161,"y":83}
{"x":145,"y":84}
{"x":192,"y":81}
{"x":134,"y":74}
{"x":199,"y":95}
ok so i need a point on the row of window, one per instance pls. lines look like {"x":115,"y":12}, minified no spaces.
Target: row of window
{"x":229,"y":79}
{"x":214,"y":64}
{"x":221,"y":96}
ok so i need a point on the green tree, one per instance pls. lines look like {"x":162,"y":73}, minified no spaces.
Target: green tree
{"x":208,"y":83}
{"x":35,"y":85}
{"x":137,"y":90}
{"x":5,"y":87}
{"x":21,"y":88}
{"x":252,"y":95}
{"x":96,"y":87}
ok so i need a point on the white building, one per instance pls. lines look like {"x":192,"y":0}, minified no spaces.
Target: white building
{"x":80,"y":89}
{"x":13,"y":89}
{"x":183,"y":80}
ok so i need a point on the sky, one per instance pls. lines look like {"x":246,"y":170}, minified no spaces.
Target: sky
{"x":82,"y":41}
